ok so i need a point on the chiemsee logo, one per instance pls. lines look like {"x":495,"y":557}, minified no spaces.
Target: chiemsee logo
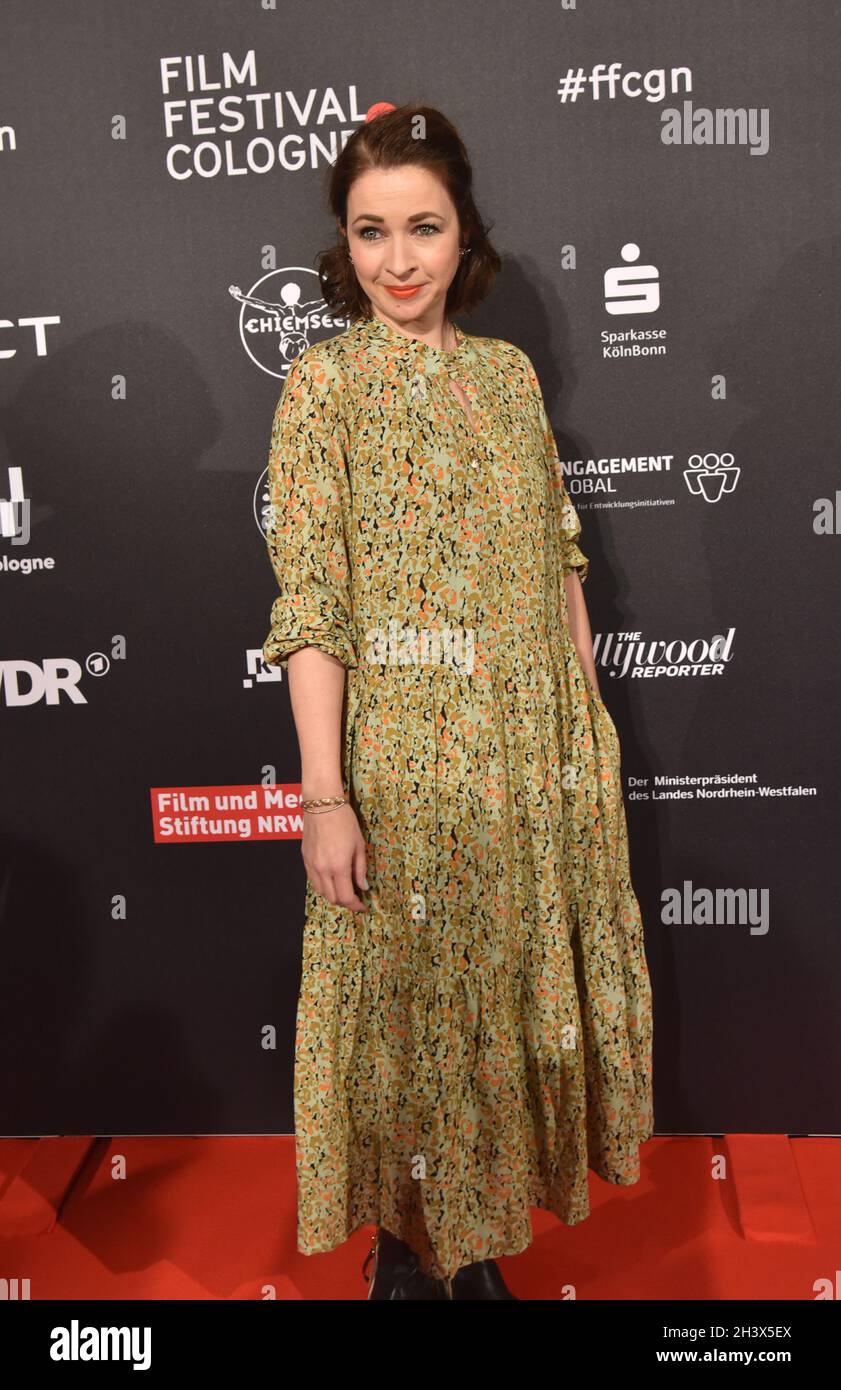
{"x":80,"y":1342}
{"x":281,"y":315}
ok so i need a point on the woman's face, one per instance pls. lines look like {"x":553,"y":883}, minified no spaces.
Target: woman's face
{"x":402,"y":232}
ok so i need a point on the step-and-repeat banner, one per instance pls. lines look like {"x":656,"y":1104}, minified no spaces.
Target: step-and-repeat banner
{"x":661,"y":183}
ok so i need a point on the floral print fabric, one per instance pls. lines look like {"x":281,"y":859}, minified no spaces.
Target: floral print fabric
{"x":482,"y":1036}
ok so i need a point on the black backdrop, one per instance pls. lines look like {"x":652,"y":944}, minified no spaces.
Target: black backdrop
{"x":148,"y":982}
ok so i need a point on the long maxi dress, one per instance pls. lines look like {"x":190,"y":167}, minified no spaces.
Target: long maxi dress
{"x":482,"y":1036}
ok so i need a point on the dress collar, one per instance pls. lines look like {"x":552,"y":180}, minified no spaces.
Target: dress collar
{"x":413,"y":352}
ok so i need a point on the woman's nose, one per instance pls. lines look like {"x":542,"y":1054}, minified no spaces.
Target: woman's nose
{"x":401,"y":259}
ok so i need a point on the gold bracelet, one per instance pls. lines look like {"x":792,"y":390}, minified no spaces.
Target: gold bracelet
{"x":331,"y":801}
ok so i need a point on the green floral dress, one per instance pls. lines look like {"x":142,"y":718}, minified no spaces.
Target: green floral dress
{"x":478,"y":1039}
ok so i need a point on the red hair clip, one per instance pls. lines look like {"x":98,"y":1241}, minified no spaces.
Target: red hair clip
{"x":378,"y":109}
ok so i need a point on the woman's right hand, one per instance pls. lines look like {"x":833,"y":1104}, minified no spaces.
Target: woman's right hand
{"x":333,"y":850}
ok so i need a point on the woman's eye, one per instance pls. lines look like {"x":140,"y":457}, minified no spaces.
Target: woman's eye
{"x":422,"y":226}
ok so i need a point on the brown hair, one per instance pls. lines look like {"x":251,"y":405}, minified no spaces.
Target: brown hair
{"x":386,"y":142}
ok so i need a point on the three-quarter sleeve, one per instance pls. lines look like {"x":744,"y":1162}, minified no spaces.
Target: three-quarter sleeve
{"x":308,"y":516}
{"x":570,"y":526}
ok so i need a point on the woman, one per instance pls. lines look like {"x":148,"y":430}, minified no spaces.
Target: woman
{"x":474,"y":1024}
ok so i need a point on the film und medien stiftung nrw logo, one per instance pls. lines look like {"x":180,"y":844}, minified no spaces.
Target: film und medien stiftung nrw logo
{"x":281,"y":315}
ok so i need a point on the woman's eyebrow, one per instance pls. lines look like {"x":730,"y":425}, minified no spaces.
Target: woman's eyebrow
{"x":372,"y":217}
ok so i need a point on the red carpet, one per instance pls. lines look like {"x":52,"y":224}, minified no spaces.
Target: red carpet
{"x":746,"y":1216}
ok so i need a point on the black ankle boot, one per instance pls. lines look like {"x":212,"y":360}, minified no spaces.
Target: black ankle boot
{"x":397,"y":1271}
{"x":480,"y":1280}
